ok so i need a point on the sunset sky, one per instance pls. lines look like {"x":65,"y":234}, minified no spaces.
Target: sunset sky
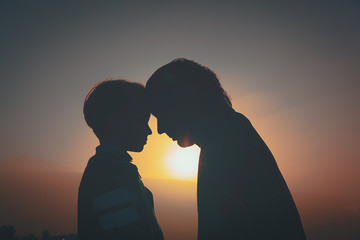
{"x":291,"y":67}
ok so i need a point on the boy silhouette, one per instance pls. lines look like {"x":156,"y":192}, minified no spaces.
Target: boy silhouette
{"x":113,"y":203}
{"x":241,"y":192}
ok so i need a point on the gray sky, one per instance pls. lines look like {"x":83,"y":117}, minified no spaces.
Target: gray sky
{"x":290,"y":66}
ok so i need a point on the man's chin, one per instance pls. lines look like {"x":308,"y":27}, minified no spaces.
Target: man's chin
{"x":185,"y":143}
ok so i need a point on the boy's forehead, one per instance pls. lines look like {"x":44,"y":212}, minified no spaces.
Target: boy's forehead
{"x":141,"y":106}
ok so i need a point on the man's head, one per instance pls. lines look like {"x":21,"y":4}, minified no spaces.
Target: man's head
{"x":182,"y":95}
{"x":118,"y":112}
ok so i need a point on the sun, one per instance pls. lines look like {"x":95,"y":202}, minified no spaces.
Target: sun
{"x":182,"y":163}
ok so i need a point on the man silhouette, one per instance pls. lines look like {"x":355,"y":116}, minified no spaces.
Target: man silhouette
{"x":241,"y":192}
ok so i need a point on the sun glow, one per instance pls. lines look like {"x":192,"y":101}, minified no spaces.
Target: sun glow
{"x":182,"y":163}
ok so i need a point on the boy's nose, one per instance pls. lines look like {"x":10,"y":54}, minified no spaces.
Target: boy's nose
{"x":149,"y":132}
{"x":159,"y":127}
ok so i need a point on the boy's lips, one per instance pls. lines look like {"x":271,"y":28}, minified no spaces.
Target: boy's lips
{"x":144,"y":141}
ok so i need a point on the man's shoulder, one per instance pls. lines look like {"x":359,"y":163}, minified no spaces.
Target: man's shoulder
{"x":241,"y":122}
{"x":235,"y":142}
{"x":236,"y":129}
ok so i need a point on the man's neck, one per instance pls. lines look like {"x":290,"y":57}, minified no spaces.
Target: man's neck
{"x":212,"y":127}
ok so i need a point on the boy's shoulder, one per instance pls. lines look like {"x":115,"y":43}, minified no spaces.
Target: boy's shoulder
{"x":109,"y":171}
{"x":104,"y":161}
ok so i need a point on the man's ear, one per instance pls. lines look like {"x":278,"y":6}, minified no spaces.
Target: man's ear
{"x":189,"y":98}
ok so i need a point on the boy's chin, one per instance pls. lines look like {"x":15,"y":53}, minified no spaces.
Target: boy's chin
{"x":136,"y":148}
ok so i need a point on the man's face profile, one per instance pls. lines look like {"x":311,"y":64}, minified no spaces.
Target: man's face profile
{"x":172,"y":119}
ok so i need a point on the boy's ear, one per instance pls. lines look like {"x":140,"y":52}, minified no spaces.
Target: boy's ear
{"x":114,"y":119}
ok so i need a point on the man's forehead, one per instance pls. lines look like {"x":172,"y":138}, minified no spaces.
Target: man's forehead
{"x":161,"y":104}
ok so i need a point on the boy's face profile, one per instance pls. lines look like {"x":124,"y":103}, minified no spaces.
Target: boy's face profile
{"x":132,"y":128}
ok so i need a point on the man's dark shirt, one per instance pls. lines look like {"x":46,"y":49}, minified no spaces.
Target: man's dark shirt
{"x":241,"y":192}
{"x":113,"y":203}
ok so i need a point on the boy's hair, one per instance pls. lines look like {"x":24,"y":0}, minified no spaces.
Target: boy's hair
{"x":106,"y":97}
{"x":182,"y":72}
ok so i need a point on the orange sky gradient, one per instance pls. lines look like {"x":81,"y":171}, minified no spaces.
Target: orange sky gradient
{"x":290,"y":67}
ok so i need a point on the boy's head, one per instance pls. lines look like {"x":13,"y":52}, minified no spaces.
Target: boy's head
{"x":118,"y":113}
